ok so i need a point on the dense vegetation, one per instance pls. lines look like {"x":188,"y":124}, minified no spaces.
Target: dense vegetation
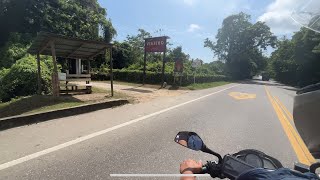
{"x":23,"y":19}
{"x":20,"y":79}
{"x":238,"y":46}
{"x":155,"y":77}
{"x":296,"y":61}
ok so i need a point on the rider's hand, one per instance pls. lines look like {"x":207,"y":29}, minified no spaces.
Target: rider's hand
{"x":190,"y":167}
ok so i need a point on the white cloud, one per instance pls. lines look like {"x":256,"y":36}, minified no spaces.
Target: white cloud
{"x":193,"y":27}
{"x":278,"y":16}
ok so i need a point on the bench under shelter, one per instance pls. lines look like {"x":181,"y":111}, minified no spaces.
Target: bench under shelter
{"x":78,"y":53}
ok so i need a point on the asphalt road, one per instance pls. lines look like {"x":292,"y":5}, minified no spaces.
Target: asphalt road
{"x":139,"y":138}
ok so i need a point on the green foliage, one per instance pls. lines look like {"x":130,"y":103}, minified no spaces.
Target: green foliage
{"x":137,"y":44}
{"x":21,"y":79}
{"x":3,"y":72}
{"x":23,"y":19}
{"x":296,"y":61}
{"x":177,"y":53}
{"x":14,"y":49}
{"x":74,"y":18}
{"x":155,"y":66}
{"x":239,"y":44}
{"x":123,"y":55}
{"x":155,"y":78}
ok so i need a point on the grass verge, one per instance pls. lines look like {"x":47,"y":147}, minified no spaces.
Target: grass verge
{"x":155,"y":86}
{"x":36,"y":103}
{"x":206,"y":85}
{"x":44,"y":103}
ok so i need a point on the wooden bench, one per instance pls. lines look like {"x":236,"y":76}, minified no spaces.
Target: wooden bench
{"x":75,"y":86}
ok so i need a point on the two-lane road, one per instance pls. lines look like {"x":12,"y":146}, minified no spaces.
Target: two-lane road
{"x":139,"y":138}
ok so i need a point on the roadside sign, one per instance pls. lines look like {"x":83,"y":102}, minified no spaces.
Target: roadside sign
{"x":178,"y":65}
{"x":62,"y":76}
{"x":157,"y":44}
{"x":196,"y":63}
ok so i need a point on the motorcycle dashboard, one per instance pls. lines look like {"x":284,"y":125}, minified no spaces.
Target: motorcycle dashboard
{"x":258,"y":159}
{"x":238,"y":163}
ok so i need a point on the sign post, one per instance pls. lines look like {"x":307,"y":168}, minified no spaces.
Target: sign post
{"x":178,"y":69}
{"x":156,"y":44}
{"x":195,"y":64}
{"x":163,"y":68}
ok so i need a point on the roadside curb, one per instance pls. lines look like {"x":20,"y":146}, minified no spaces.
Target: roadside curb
{"x":21,"y":120}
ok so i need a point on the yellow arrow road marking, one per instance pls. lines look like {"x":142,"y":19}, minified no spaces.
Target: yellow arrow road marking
{"x":241,"y":96}
{"x":298,"y":145}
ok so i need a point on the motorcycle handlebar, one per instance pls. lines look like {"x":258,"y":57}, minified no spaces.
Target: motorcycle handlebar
{"x":213,"y":168}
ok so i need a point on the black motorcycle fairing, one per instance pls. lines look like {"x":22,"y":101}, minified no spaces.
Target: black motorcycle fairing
{"x":267,"y":161}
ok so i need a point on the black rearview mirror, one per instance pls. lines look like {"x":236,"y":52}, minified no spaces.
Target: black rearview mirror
{"x":190,"y":140}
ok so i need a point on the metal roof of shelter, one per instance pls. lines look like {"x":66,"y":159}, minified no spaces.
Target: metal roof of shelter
{"x":67,"y":47}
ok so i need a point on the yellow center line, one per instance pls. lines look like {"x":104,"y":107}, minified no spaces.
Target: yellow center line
{"x":298,"y":145}
{"x":283,"y":107}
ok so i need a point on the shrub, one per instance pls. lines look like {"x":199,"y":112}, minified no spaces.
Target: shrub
{"x":21,"y":79}
{"x":154,"y":78}
{"x":14,"y":49}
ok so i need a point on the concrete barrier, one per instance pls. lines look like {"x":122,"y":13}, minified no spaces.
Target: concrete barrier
{"x":21,"y":120}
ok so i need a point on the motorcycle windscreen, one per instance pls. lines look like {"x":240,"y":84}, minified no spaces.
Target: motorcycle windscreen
{"x":306,"y":113}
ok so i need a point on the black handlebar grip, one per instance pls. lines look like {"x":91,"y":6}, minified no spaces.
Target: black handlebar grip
{"x":204,"y":170}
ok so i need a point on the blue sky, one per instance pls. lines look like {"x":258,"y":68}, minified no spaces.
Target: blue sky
{"x":189,"y":22}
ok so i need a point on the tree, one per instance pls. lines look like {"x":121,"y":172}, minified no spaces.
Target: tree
{"x":122,"y":55}
{"x":177,"y":53}
{"x":73,"y":18}
{"x":137,"y":43}
{"x":305,"y":42}
{"x":296,"y":61}
{"x":239,"y":44}
{"x":23,"y":19}
{"x":282,"y":62}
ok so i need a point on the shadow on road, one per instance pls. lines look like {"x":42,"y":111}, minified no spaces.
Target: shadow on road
{"x":259,"y":82}
{"x":290,"y":88}
{"x":270,"y":83}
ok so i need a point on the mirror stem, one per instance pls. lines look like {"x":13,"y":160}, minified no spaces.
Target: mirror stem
{"x":209,"y":151}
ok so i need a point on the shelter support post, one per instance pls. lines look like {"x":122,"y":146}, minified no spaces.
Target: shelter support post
{"x":144,"y":67}
{"x":55,"y":81}
{"x":89,"y":67}
{"x":163,"y":68}
{"x":39,"y":74}
{"x":111,"y":69}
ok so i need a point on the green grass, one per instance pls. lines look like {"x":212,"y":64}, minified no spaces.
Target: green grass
{"x":155,"y":86}
{"x":206,"y":85}
{"x":43,"y":103}
{"x":36,"y":103}
{"x":116,"y":94}
{"x":99,"y":90}
{"x":61,"y":105}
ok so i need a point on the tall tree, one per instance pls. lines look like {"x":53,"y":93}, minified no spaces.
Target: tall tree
{"x":137,"y":43}
{"x":177,"y":53}
{"x":239,"y":44}
{"x":296,"y":61}
{"x":75,"y":18}
{"x":122,"y":54}
{"x":24,"y":18}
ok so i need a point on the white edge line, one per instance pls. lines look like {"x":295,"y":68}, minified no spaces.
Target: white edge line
{"x":160,"y":175}
{"x":84,"y":138}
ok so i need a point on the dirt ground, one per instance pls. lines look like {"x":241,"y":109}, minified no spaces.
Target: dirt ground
{"x":140,"y":93}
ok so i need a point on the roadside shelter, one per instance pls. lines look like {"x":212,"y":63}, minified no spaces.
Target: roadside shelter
{"x":69,"y":48}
